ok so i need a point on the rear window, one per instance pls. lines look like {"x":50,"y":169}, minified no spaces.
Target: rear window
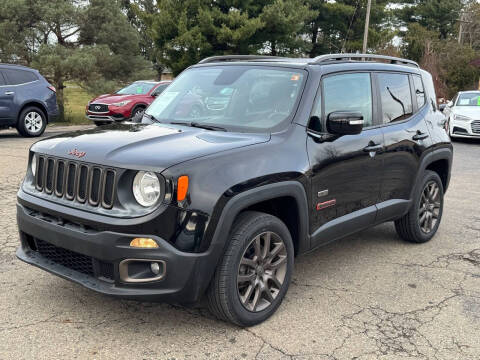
{"x":17,"y":77}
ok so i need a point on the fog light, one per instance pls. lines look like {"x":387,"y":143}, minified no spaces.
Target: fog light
{"x":155,"y":267}
{"x":143,"y":243}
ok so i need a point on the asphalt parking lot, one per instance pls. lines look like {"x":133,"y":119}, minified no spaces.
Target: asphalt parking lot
{"x":369,"y":296}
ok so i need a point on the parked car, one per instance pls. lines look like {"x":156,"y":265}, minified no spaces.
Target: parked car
{"x":127,"y":103}
{"x":463,"y":114}
{"x":296,"y":154}
{"x":27,"y":101}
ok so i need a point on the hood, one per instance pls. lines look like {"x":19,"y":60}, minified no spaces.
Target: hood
{"x":112,"y":98}
{"x":143,"y":147}
{"x":472,"y":112}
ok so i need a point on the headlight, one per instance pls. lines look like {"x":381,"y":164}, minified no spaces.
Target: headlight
{"x":33,"y":164}
{"x":461,"y":117}
{"x":146,"y":188}
{"x":121,"y":103}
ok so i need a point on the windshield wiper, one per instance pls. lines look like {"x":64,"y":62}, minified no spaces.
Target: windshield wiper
{"x":150,"y":116}
{"x":199,"y":125}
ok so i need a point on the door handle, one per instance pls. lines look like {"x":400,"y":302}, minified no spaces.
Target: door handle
{"x":9,"y":92}
{"x":372,"y":147}
{"x":420,"y":136}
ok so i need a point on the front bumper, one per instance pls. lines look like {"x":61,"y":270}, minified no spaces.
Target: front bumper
{"x":106,"y":118}
{"x":465,"y":129}
{"x":186,"y":277}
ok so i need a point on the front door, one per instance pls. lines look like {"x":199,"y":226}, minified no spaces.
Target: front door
{"x":346,"y":171}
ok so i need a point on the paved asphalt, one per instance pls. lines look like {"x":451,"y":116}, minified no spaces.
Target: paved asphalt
{"x":368,"y":296}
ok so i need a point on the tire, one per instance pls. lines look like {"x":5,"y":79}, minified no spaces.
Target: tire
{"x":426,"y":206}
{"x":136,"y":113}
{"x":31,"y":122}
{"x":224,"y":295}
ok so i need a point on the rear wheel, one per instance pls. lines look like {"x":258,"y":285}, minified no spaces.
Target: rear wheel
{"x":422,"y":221}
{"x":253,"y":276}
{"x":31,"y":122}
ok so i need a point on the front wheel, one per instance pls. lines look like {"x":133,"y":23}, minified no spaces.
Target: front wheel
{"x":422,"y":221}
{"x":253,"y":276}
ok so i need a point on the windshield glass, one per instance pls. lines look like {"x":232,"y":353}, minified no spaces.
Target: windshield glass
{"x":468,"y":99}
{"x":238,"y":98}
{"x":137,"y":88}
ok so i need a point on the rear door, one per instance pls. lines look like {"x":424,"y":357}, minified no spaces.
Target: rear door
{"x":403,"y":106}
{"x":6,"y":99}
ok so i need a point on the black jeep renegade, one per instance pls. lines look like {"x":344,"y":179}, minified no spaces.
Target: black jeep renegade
{"x":280,"y":157}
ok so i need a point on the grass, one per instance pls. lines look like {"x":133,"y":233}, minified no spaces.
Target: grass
{"x":76,"y":99}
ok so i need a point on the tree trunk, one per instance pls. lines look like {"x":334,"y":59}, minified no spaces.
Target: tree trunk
{"x":60,"y":98}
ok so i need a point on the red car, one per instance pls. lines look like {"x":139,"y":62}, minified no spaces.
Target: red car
{"x":126,"y":103}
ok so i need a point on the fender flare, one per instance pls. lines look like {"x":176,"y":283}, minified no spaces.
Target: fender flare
{"x":435,"y":155}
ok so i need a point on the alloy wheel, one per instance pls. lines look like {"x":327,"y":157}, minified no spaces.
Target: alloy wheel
{"x":33,"y":122}
{"x":430,"y":203}
{"x":262,"y":271}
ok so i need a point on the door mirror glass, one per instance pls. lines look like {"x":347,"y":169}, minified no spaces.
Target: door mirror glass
{"x":345,"y":122}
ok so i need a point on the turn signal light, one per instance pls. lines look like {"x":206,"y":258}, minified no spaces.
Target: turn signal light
{"x":182,"y":187}
{"x":143,"y":243}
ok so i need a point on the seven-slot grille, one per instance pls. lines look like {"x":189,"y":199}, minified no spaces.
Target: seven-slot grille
{"x":476,"y":126}
{"x":76,"y":181}
{"x":98,"y":108}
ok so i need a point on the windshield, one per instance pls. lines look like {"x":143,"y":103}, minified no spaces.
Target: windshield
{"x":238,"y":98}
{"x":468,"y":99}
{"x":137,"y":88}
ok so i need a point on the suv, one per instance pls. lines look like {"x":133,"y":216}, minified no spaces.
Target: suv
{"x":27,"y":101}
{"x":127,"y":103}
{"x":302,"y":152}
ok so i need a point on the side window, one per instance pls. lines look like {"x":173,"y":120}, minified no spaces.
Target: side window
{"x":17,"y":77}
{"x":419,"y":90}
{"x":2,"y":81}
{"x":348,"y":92}
{"x":159,"y":89}
{"x":395,"y":96}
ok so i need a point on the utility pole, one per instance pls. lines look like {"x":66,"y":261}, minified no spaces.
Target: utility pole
{"x":367,"y":23}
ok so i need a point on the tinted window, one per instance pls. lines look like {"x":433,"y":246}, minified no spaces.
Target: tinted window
{"x":159,"y":89}
{"x":349,"y":92}
{"x":16,"y":77}
{"x":419,"y":90}
{"x":396,"y":97}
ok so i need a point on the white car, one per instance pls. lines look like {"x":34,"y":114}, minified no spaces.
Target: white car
{"x":463,"y":114}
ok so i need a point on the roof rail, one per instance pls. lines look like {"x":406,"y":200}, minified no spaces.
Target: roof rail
{"x":236,"y":58}
{"x":362,"y":57}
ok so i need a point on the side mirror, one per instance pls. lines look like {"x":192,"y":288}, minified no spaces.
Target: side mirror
{"x":450,"y":103}
{"x":345,"y":122}
{"x":154,"y":94}
{"x":442,"y":107}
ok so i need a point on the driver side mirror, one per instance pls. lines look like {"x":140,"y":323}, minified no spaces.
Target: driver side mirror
{"x":450,"y":103}
{"x":345,"y":122}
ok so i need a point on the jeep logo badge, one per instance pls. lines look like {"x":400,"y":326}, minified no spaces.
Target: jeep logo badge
{"x":76,"y":153}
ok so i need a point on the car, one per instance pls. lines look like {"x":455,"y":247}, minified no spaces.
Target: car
{"x":463,"y":114}
{"x":296,"y":153}
{"x":126,"y":104}
{"x":27,"y":100}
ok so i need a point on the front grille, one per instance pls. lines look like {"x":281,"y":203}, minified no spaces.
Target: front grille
{"x":76,"y":181}
{"x":476,"y":126}
{"x":75,"y":261}
{"x":98,"y":108}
